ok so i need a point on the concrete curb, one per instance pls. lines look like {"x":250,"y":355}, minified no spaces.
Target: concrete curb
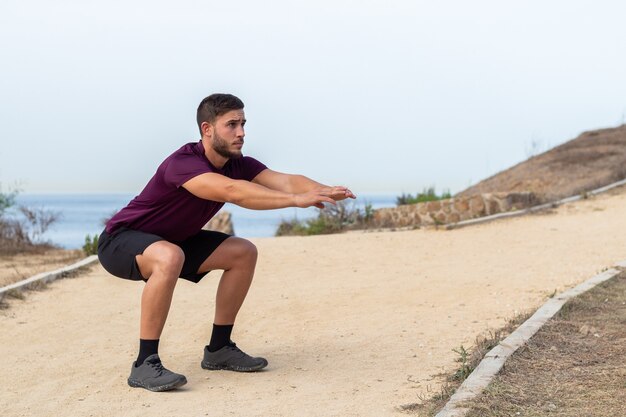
{"x":533,"y":209}
{"x":46,"y":277}
{"x":493,"y":361}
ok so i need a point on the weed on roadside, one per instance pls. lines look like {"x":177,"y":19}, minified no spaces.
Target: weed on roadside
{"x":573,"y":366}
{"x":430,"y":403}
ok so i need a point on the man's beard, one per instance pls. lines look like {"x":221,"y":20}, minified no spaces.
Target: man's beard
{"x":220,"y":145}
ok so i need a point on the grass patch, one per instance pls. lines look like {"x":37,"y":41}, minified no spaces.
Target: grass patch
{"x":20,"y":293}
{"x":574,"y":365}
{"x":468,"y":360}
{"x":331,"y":219}
{"x":37,"y":286}
{"x":428,"y":194}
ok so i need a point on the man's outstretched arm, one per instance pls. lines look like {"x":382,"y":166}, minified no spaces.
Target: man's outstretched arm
{"x":216,"y":187}
{"x":295,"y":184}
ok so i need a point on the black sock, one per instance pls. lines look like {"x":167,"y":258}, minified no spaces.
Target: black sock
{"x":146,"y":348}
{"x":220,"y":336}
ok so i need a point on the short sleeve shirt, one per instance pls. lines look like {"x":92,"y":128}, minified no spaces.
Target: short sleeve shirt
{"x":167,"y":209}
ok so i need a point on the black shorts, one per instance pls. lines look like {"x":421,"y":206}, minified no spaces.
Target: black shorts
{"x":117,"y":251}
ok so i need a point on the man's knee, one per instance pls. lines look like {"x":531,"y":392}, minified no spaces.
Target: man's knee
{"x":244,"y":251}
{"x":163,"y":257}
{"x":172,"y":258}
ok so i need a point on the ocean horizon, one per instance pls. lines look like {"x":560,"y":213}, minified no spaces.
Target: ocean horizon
{"x":84,"y":214}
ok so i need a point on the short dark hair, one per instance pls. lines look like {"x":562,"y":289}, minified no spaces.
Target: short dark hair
{"x":215,"y":105}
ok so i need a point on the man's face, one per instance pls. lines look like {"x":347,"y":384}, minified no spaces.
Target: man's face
{"x":228,"y":134}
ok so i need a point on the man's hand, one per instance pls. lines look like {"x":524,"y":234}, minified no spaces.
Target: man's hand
{"x":319,"y":196}
{"x":339,"y":193}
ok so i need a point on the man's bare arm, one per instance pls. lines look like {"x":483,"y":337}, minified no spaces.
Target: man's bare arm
{"x":298,"y":184}
{"x":216,"y":187}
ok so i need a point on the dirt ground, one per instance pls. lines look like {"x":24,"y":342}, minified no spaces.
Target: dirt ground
{"x":353,"y":325}
{"x":574,"y":366}
{"x":17,"y":267}
{"x":592,"y":160}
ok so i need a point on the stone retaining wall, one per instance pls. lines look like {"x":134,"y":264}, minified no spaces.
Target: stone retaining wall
{"x":452,"y":210}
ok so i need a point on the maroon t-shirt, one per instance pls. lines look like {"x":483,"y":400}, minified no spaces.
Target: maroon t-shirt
{"x":166,"y":209}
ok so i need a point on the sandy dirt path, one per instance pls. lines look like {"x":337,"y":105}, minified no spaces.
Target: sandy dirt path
{"x":352,"y":325}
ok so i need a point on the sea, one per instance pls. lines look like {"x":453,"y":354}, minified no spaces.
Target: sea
{"x":80,"y":215}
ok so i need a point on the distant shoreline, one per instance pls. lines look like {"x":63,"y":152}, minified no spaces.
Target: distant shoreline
{"x":82,"y":214}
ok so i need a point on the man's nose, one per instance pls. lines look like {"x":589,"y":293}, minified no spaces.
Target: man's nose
{"x":240,"y":132}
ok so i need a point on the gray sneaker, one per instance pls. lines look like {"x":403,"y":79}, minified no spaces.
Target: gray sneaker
{"x":232,"y":358}
{"x":153,"y":376}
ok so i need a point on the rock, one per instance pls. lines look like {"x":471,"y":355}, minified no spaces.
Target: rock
{"x":585,"y":330}
{"x":440,"y":218}
{"x":477,"y":206}
{"x":461,"y":205}
{"x":493,"y":207}
{"x":221,"y":222}
{"x":521,"y":200}
{"x":433,"y":206}
{"x":454,"y":218}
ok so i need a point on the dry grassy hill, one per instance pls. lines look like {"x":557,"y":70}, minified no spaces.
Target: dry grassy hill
{"x":593,"y":159}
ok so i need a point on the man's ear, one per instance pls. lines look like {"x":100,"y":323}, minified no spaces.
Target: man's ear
{"x":207,"y":129}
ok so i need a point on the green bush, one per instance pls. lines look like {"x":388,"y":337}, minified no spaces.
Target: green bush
{"x":292,"y":227}
{"x":428,"y":194}
{"x":7,"y":200}
{"x":91,"y":245}
{"x":331,"y":219}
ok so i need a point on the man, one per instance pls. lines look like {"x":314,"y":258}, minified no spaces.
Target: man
{"x":157,"y":237}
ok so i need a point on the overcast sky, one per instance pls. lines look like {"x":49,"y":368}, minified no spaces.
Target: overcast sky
{"x":382,"y":96}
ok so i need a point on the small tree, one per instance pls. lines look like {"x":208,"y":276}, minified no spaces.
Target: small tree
{"x":26,"y":233}
{"x":7,"y":200}
{"x":91,"y":245}
{"x":39,"y":220}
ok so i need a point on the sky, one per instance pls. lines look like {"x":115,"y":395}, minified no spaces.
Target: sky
{"x":381,"y":96}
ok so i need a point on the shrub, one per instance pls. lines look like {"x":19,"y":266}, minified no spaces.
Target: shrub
{"x":330,"y":219}
{"x":23,"y":234}
{"x":38,"y":221}
{"x":91,"y":245}
{"x":13,"y":237}
{"x":428,"y":194}
{"x":7,"y":200}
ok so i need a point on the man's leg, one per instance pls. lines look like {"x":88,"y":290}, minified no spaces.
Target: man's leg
{"x":160,"y":264}
{"x":237,"y":257}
